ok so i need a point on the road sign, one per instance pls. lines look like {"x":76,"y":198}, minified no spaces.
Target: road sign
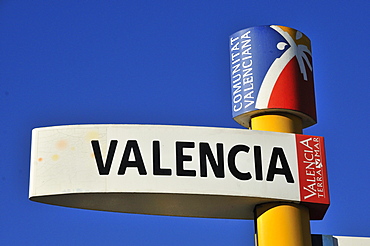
{"x":176,"y":170}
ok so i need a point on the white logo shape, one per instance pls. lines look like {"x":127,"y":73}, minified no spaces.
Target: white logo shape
{"x":279,"y":64}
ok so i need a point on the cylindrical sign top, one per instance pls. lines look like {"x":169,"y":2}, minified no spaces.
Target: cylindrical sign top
{"x":271,"y":71}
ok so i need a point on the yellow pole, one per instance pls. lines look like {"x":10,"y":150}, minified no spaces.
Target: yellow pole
{"x":281,"y":224}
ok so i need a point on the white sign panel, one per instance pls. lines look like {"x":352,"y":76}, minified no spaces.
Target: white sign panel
{"x":329,"y":240}
{"x":176,"y":170}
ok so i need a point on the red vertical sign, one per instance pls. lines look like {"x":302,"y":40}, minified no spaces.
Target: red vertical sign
{"x":312,"y":169}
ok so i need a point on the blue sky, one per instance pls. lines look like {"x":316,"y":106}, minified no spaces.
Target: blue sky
{"x":167,"y":62}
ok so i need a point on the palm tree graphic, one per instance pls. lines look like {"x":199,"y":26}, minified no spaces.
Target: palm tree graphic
{"x":299,"y":51}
